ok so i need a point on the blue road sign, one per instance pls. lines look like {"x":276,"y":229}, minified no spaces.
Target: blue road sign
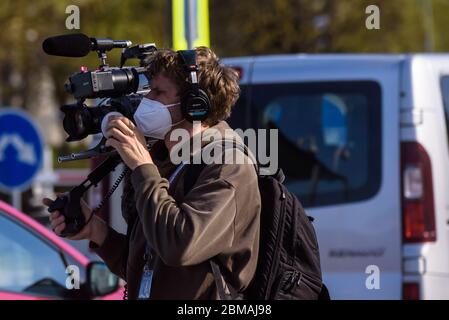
{"x":21,"y":150}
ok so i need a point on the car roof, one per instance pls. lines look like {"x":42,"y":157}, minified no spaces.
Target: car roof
{"x":36,"y":226}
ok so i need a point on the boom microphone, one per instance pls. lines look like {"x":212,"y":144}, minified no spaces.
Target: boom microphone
{"x":79,"y":45}
{"x":68,"y":45}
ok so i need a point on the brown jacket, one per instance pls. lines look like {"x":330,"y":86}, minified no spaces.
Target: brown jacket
{"x":219,"y":217}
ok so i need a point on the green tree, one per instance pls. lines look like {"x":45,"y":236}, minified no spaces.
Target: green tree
{"x":293,"y":26}
{"x":26,"y":24}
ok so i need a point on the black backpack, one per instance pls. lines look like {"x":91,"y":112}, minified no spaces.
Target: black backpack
{"x":289,"y":260}
{"x":288,"y":266}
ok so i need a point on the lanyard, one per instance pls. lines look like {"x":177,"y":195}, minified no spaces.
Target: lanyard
{"x":176,"y":172}
{"x":147,"y":272}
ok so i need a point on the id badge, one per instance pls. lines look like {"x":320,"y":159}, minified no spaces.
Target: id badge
{"x":145,"y":283}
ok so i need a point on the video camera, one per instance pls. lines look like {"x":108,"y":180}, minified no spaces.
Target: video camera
{"x":118,"y":85}
{"x":121,"y":89}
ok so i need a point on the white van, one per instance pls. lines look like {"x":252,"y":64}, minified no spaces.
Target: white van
{"x":363,"y":141}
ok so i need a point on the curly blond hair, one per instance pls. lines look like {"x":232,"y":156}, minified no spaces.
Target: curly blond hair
{"x":220,"y":82}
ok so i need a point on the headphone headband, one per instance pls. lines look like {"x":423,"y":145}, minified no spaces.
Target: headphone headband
{"x":188,"y":58}
{"x":195,"y":104}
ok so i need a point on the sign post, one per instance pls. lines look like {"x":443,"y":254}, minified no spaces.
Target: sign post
{"x":190,"y":24}
{"x":16,"y":196}
{"x":21,"y":152}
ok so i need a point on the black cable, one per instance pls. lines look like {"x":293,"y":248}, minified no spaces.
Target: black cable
{"x":125,"y":292}
{"x":116,"y":184}
{"x":109,"y":194}
{"x":101,"y":204}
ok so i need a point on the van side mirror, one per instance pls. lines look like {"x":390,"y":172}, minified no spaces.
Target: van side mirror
{"x":100,"y":280}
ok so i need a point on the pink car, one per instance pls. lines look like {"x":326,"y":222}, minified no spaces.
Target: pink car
{"x":36,"y":264}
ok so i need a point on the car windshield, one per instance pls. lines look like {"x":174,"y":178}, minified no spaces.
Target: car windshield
{"x":28,"y":264}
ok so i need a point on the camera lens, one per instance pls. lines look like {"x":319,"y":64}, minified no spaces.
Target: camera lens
{"x":80,"y":120}
{"x":125,"y":80}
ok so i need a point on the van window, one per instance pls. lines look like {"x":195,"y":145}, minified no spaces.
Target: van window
{"x":445,"y":94}
{"x":329,"y":136}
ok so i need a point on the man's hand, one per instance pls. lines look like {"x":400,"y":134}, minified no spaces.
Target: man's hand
{"x":95,"y":230}
{"x":129,"y":142}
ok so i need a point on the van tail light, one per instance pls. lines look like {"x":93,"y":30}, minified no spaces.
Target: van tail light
{"x":410,"y":291}
{"x":418,"y":213}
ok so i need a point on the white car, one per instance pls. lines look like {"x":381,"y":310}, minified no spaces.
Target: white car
{"x":363,"y":141}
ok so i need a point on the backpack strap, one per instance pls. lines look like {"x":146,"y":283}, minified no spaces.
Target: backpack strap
{"x":238,"y":146}
{"x":218,"y":277}
{"x":190,"y":177}
{"x":192,"y":172}
{"x":218,"y":283}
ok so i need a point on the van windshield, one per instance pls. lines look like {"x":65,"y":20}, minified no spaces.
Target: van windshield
{"x":329,"y":136}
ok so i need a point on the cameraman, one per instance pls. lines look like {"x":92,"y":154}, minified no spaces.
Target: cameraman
{"x":174,"y":233}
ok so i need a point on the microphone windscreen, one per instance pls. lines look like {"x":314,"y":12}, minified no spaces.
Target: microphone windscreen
{"x":68,"y":45}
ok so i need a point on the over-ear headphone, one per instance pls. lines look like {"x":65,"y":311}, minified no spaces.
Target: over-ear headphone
{"x":195,"y":103}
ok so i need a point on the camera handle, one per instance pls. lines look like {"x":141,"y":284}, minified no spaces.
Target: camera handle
{"x":68,"y":204}
{"x":99,"y":150}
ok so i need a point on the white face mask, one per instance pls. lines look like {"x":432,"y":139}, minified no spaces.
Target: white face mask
{"x":153,"y":118}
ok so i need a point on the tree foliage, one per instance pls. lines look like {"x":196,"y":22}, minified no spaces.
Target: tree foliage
{"x":249,"y":27}
{"x":292,"y":26}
